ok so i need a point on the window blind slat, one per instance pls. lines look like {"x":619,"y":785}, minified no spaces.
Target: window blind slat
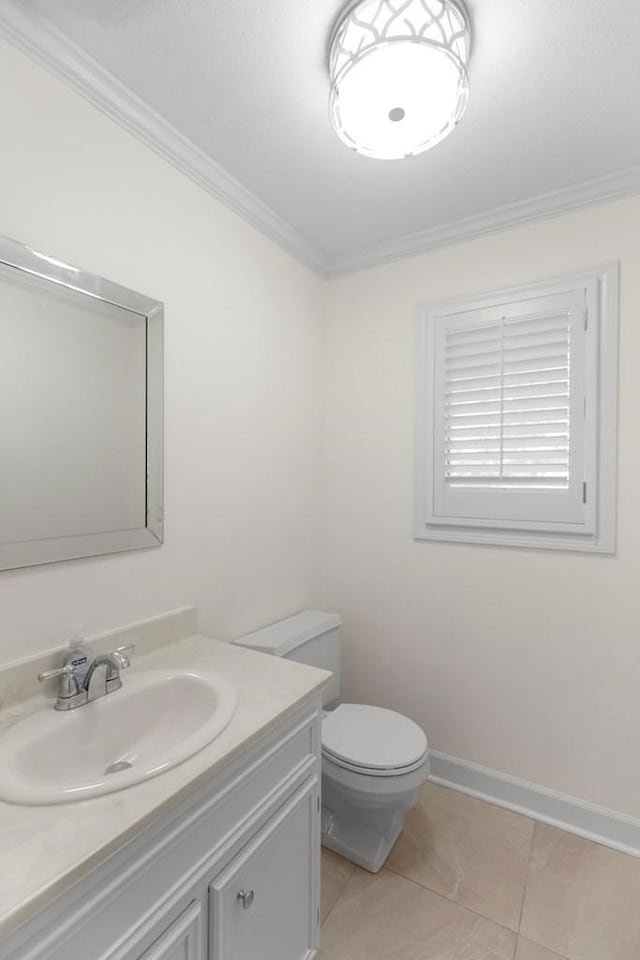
{"x":512,"y":393}
{"x":532,"y":358}
{"x":507,"y":390}
{"x":494,"y":382}
{"x":557,"y":458}
{"x":515,"y":441}
{"x":513,"y":483}
{"x":535,"y":322}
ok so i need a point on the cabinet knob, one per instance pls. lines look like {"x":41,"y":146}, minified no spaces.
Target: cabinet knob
{"x":246,"y":898}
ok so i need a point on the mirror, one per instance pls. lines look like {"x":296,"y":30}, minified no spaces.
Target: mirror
{"x":81,"y":363}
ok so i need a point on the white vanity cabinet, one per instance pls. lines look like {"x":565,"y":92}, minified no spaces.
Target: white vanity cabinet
{"x":229,"y":872}
{"x":259,"y":905}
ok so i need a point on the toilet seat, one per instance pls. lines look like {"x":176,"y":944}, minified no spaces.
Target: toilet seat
{"x":374,"y":771}
{"x":372,"y":740}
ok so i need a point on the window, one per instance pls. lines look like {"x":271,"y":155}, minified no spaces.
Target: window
{"x":516,"y":419}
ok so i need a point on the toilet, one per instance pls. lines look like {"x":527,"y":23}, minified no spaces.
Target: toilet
{"x":374,"y":760}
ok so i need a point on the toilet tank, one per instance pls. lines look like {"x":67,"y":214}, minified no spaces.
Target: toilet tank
{"x":312,"y":637}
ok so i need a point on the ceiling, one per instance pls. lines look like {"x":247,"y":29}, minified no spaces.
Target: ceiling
{"x":554,"y":103}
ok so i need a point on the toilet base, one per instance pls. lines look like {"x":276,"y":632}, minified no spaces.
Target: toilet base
{"x":366,"y":844}
{"x":363,"y":813}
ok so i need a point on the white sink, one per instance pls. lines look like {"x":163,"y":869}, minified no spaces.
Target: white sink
{"x":155,"y":721}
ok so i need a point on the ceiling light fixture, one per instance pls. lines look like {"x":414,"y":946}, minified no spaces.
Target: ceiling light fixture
{"x":398,"y":71}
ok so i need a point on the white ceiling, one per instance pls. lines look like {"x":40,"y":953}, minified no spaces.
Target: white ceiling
{"x":554,"y":103}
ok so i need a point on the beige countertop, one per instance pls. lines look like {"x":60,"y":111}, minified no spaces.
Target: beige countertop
{"x":43,"y":850}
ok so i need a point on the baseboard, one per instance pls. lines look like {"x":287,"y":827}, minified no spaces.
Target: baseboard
{"x":612,"y":829}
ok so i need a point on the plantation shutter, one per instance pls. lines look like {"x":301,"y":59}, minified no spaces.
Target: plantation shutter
{"x":509,"y":397}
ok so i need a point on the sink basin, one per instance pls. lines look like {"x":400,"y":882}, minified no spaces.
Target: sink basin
{"x":155,"y":721}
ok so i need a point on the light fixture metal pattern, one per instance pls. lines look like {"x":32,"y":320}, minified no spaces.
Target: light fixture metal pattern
{"x":404,"y":32}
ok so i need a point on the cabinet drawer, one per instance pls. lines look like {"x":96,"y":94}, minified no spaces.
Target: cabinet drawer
{"x":273,"y":877}
{"x":278,"y":762}
{"x":180,"y":941}
{"x":173,"y":933}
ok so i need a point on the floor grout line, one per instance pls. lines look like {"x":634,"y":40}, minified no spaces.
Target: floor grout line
{"x":481,"y":916}
{"x":443,"y":896}
{"x":340,"y":895}
{"x":421,"y":886}
{"x":527,"y":892}
{"x":526,"y":879}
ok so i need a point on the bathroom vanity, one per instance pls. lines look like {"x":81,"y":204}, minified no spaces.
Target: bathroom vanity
{"x":216,"y":859}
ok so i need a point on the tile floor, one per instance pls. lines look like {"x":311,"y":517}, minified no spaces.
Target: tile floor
{"x":470,"y":881}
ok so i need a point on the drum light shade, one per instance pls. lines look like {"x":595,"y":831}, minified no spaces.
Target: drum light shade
{"x":398,"y":75}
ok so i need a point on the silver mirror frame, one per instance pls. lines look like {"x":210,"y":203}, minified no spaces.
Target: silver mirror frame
{"x":29,"y":553}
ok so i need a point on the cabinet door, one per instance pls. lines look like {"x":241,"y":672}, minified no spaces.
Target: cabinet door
{"x":265,"y":903}
{"x":181,"y":940}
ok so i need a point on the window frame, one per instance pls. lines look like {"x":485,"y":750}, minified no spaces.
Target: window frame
{"x":596,"y":533}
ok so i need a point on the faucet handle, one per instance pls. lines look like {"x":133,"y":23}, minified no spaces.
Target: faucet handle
{"x":69,"y":686}
{"x":67,"y":670}
{"x":115,"y":661}
{"x":120,"y":653}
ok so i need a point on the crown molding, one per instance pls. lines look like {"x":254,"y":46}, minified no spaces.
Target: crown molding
{"x":45,"y":44}
{"x":40,"y":40}
{"x":545,"y":206}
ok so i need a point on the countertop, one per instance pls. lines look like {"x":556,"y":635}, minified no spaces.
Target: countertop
{"x":43,"y":850}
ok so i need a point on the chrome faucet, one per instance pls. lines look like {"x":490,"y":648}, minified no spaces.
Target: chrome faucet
{"x":76,"y":675}
{"x":113,"y":663}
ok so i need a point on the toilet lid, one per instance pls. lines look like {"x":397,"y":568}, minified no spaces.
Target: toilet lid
{"x":372,"y":737}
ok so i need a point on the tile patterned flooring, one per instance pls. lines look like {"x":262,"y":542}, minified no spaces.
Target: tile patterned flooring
{"x":470,"y":881}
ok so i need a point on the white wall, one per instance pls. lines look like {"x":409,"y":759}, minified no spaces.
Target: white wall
{"x":524,"y":661}
{"x":242,"y":327}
